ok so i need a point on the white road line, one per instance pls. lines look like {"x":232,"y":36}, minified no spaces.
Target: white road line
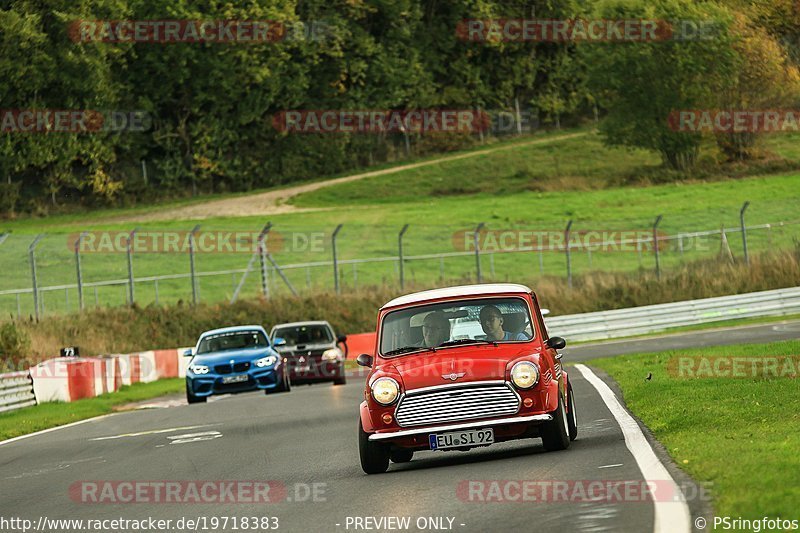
{"x":153,"y":432}
{"x":670,"y":516}
{"x":609,"y":466}
{"x":42,"y":432}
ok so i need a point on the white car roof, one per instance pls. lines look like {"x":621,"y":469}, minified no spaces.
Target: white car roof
{"x":304,"y":323}
{"x":487,"y":289}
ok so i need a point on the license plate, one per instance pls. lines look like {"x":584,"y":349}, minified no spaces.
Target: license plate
{"x":235,"y":379}
{"x":461,"y":439}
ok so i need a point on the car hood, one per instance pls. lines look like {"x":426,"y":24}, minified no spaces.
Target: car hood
{"x":215,"y":358}
{"x":455,"y":365}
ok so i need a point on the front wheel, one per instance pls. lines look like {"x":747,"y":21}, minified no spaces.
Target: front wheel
{"x":286,"y":383}
{"x":401,"y":455}
{"x":191,"y":398}
{"x":342,"y":379}
{"x":555,"y":434}
{"x":572,"y":417}
{"x":374,"y":456}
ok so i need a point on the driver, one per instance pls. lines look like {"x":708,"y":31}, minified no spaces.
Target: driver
{"x":435,"y":329}
{"x":492,"y":324}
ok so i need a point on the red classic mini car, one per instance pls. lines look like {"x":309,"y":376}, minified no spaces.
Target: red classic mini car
{"x":462,"y":367}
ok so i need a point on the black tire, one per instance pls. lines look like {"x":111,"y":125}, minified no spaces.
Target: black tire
{"x":342,"y":379}
{"x":374,"y":456}
{"x":285,"y":386}
{"x":572,"y":416}
{"x":555,"y":434}
{"x":191,"y":398}
{"x":401,"y":455}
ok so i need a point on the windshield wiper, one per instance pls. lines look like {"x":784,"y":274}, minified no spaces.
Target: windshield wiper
{"x":467,"y":341}
{"x":408,"y":349}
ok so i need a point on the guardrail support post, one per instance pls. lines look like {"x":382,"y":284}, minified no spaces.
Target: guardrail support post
{"x":476,"y":240}
{"x":744,"y":231}
{"x":335,"y":262}
{"x":131,"y":290}
{"x":192,"y":247}
{"x":32,"y":257}
{"x":400,"y":254}
{"x":569,"y":256}
{"x":655,"y":245}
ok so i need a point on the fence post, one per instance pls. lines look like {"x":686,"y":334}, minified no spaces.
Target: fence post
{"x":400,"y":253}
{"x":476,"y":239}
{"x":744,"y":232}
{"x":335,"y":263}
{"x":131,"y":292}
{"x":32,"y":257}
{"x":655,"y":246}
{"x":569,"y":256}
{"x":191,"y":262}
{"x":78,"y":270}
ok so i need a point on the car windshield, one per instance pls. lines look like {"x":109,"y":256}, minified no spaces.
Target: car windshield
{"x":232,"y":340}
{"x":307,"y":334}
{"x":441,"y":325}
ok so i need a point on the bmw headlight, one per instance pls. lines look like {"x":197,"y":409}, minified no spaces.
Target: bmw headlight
{"x":524,"y":375}
{"x":267,"y":361}
{"x":385,"y":391}
{"x":333,"y":355}
{"x":199,"y":369}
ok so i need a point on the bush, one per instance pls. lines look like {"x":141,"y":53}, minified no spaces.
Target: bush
{"x":14,"y":342}
{"x":9,"y":196}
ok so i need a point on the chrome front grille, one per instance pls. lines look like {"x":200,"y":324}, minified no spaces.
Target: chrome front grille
{"x":456,"y":403}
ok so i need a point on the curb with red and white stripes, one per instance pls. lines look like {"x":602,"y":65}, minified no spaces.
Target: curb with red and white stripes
{"x":66,"y":379}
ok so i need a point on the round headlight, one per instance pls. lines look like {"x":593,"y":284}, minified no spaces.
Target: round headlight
{"x":524,"y":375}
{"x":334,"y":354}
{"x":385,"y":391}
{"x":199,"y":369}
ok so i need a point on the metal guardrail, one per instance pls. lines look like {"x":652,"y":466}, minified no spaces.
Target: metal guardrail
{"x":16,"y":391}
{"x":657,"y":318}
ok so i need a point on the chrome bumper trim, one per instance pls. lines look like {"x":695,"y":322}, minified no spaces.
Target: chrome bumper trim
{"x":456,"y":427}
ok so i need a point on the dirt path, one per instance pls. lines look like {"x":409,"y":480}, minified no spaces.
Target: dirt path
{"x":274,"y":202}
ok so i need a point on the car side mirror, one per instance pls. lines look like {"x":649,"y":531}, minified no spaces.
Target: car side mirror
{"x":544,"y":311}
{"x":341,"y":338}
{"x":278,"y":341}
{"x":189,"y":352}
{"x":364,"y":360}
{"x":556,"y":343}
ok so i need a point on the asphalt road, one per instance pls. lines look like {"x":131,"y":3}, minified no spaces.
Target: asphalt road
{"x":305,"y":442}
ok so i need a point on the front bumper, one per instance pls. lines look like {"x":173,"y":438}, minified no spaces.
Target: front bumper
{"x":402,"y":433}
{"x":318,"y":371}
{"x":203,"y":385}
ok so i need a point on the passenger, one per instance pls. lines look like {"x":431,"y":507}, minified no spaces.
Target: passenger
{"x":435,"y":329}
{"x":492,"y":324}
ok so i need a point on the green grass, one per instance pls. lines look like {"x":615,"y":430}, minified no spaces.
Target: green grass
{"x":49,"y":415}
{"x":499,"y":189}
{"x":739,"y":434}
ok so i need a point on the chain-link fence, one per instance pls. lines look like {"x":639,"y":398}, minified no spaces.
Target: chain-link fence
{"x":63,"y":272}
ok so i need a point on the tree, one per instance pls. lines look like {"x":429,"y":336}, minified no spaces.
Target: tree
{"x":641,"y":83}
